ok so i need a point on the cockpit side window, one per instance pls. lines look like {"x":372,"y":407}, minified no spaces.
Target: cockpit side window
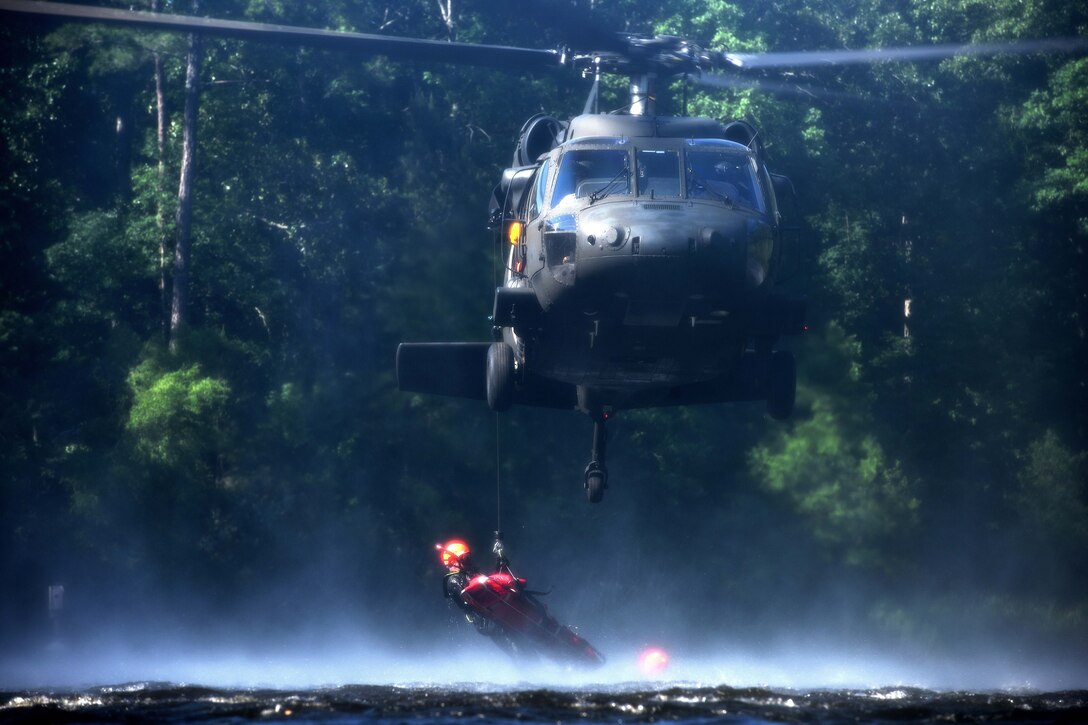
{"x":658,"y":173}
{"x":768,"y":191}
{"x":727,"y":176}
{"x":540,"y":188}
{"x":591,"y":173}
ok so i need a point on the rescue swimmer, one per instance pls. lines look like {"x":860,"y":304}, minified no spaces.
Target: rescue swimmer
{"x":502,"y":609}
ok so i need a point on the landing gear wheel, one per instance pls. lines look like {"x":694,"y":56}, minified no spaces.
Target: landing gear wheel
{"x":596,"y":482}
{"x":781,"y":384}
{"x":500,"y":376}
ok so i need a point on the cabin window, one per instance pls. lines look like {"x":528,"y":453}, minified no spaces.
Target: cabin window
{"x":730,"y":177}
{"x":658,"y":173}
{"x":593,"y":173}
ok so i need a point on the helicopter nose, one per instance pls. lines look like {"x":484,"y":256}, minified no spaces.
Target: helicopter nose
{"x":659,"y":258}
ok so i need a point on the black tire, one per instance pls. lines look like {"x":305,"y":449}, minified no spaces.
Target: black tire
{"x":781,"y":384}
{"x":500,"y":377}
{"x":596,"y":481}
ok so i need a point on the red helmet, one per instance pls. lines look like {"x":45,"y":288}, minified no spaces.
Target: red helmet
{"x":452,"y":552}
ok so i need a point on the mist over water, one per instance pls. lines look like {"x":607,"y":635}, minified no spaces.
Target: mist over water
{"x":388,"y":647}
{"x":734,"y":592}
{"x":729,"y":582}
{"x":359,"y":676}
{"x":364,"y":661}
{"x":433,"y":646}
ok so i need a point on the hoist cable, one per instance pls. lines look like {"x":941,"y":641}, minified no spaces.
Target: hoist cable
{"x":497,"y":261}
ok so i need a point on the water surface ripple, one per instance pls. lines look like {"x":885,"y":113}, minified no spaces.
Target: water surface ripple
{"x":635,"y":703}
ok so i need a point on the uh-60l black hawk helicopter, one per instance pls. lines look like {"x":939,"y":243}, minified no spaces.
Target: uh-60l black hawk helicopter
{"x":641,"y":251}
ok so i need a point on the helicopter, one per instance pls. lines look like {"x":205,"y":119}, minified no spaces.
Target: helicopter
{"x":642,"y":252}
{"x":640,"y":265}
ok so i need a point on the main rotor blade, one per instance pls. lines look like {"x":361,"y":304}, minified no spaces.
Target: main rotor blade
{"x":781,"y":88}
{"x":360,"y":43}
{"x":594,"y":94}
{"x":573,"y":24}
{"x":804,"y":59}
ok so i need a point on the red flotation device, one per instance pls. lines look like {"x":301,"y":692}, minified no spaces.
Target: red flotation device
{"x":501,"y":597}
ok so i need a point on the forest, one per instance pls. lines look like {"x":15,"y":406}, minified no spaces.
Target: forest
{"x":252,"y":464}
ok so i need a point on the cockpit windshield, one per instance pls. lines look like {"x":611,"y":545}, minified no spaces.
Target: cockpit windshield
{"x":725,"y":175}
{"x":593,"y":173}
{"x":658,"y":173}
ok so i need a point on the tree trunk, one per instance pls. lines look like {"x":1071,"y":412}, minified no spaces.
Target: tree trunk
{"x":160,"y":191}
{"x":445,"y":8}
{"x":179,"y":313}
{"x":123,"y":139}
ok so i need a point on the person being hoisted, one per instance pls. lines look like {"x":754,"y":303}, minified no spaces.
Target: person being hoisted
{"x":502,"y":609}
{"x":460,"y":573}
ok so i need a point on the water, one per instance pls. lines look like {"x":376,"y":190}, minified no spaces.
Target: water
{"x":364,"y":678}
{"x":623,"y":703}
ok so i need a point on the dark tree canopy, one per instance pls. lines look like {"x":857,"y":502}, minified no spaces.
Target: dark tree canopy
{"x":338,"y":208}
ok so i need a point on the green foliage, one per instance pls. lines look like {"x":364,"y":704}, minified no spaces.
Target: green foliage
{"x":1052,"y":495}
{"x":860,"y":264}
{"x":1054,"y":489}
{"x":831,"y":467}
{"x":1054,"y":118}
{"x":177,"y":417}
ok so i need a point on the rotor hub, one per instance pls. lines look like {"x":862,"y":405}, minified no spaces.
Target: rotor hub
{"x":663,"y":55}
